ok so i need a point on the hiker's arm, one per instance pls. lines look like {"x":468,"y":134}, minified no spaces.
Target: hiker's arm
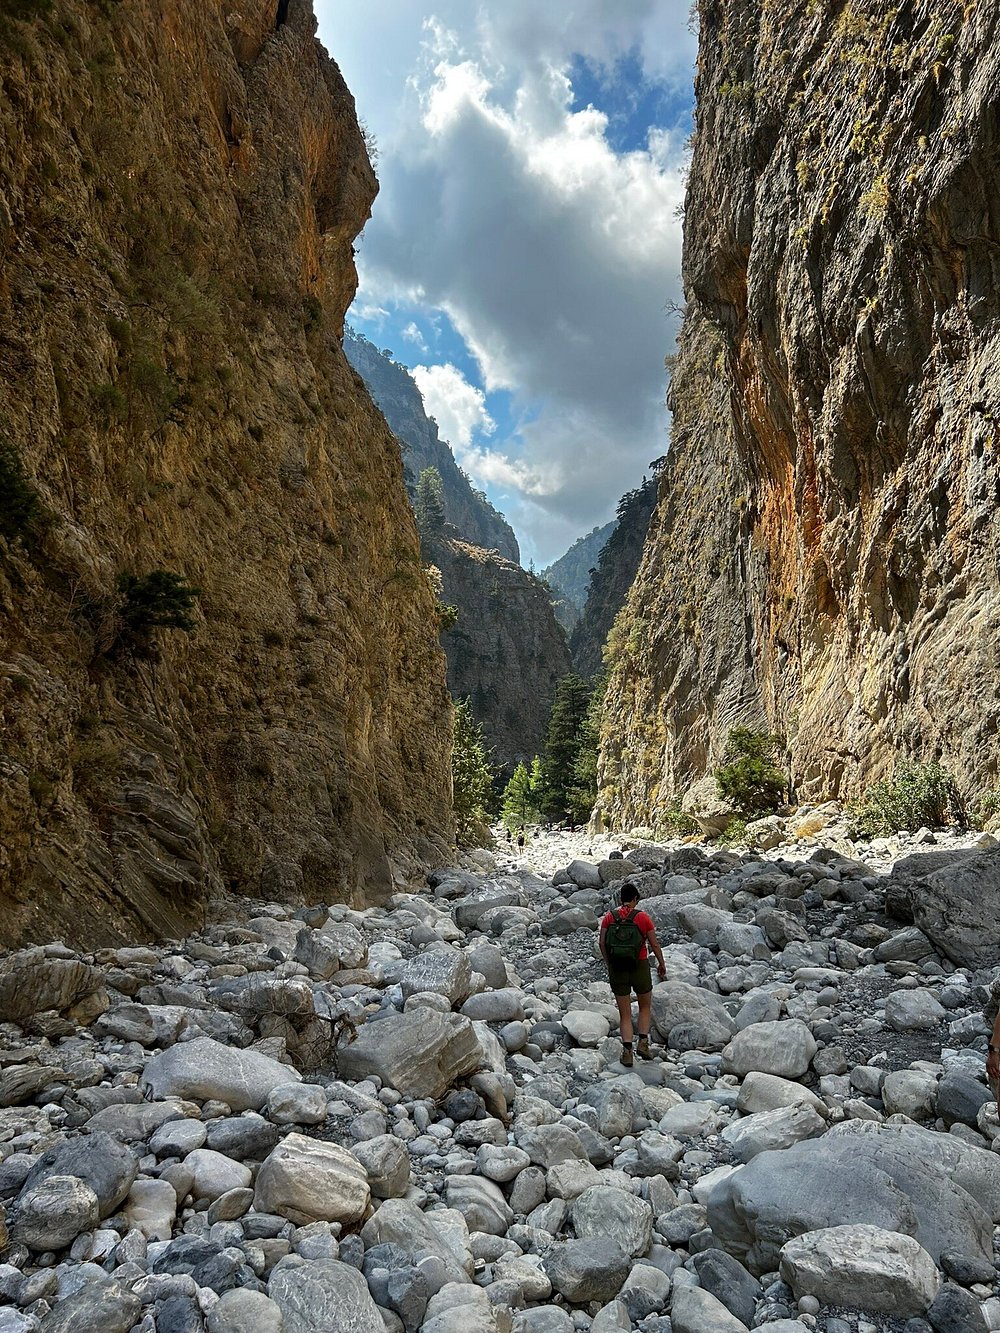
{"x":604,"y":952}
{"x":654,"y":944}
{"x":993,"y":1060}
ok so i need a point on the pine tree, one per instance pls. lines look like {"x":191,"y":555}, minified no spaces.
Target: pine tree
{"x":429,"y":508}
{"x":520,"y":798}
{"x":583,"y":792}
{"x":562,"y":745}
{"x":472,"y":778}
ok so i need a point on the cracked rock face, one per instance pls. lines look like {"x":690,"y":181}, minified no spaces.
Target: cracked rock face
{"x":172,"y":381}
{"x":821,"y":562}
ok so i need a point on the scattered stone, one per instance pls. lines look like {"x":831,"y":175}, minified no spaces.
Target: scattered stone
{"x":860,"y":1265}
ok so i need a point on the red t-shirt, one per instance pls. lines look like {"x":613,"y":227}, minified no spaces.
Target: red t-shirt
{"x":641,"y":919}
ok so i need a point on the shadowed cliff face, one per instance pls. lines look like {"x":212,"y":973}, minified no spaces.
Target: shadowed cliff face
{"x":822,"y":561}
{"x":180,"y":185}
{"x":506,"y":654}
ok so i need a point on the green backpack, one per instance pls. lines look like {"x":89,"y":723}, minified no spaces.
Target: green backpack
{"x":623,"y":939}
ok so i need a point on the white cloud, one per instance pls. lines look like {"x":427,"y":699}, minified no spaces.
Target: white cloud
{"x":552,"y":254}
{"x":413,"y":335}
{"x":458,"y":407}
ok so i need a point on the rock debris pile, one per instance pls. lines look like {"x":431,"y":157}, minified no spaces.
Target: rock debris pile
{"x":414,"y":1117}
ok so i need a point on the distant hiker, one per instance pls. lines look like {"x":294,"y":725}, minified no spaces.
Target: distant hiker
{"x":625,"y":934}
{"x":520,"y":840}
{"x":510,"y":836}
{"x":992,"y":1015}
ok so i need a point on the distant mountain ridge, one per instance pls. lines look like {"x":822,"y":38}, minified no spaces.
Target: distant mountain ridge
{"x":570,"y":574}
{"x":506,"y":652}
{"x":396,"y":394}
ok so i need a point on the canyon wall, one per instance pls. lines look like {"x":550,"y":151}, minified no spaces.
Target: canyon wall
{"x":612,"y":579}
{"x":506,"y":654}
{"x":822,"y":561}
{"x":180,"y":186}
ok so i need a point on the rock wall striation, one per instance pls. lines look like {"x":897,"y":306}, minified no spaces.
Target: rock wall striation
{"x":180,"y":186}
{"x":823,"y":557}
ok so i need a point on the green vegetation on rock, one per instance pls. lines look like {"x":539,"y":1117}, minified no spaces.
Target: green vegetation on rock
{"x":474,"y":798}
{"x":915,"y":795}
{"x":749,"y":776}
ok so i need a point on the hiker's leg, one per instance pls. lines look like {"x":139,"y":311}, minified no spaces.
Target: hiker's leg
{"x":645,"y":1004}
{"x":625,"y":1017}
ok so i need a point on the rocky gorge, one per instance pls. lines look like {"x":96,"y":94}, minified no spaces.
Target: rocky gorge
{"x":414,"y":1116}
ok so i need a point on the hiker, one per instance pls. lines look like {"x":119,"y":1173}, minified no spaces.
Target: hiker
{"x":520,"y":840}
{"x":991,"y":1013}
{"x":625,"y":934}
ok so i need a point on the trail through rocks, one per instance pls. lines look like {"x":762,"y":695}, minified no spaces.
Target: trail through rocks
{"x":415,"y":1116}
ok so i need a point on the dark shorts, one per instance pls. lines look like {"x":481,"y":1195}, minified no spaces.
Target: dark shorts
{"x":628,"y":977}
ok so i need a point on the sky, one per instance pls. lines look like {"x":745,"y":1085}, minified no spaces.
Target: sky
{"x":523,"y":255}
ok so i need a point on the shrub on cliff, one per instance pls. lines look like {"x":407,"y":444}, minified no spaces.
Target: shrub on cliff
{"x":749,"y":776}
{"x":160,"y":600}
{"x":915,"y":795}
{"x":473,"y":797}
{"x":22,"y":513}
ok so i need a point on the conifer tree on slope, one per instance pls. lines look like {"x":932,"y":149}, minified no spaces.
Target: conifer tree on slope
{"x":562,"y":745}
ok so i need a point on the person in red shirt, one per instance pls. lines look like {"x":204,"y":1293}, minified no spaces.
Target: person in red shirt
{"x":628,"y":974}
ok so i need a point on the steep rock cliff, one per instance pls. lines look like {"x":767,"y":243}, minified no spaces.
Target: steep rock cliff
{"x":180,"y":185}
{"x":570,"y":574}
{"x":612,"y":578}
{"x":396,"y":393}
{"x":506,"y":654}
{"x":823,"y":557}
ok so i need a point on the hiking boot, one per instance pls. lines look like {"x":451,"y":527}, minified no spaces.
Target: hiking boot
{"x":642,"y":1048}
{"x":627,"y":1056}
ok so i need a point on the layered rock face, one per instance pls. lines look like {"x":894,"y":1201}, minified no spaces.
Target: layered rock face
{"x":506,"y":654}
{"x":395,"y":391}
{"x":611,"y":581}
{"x":179,"y":190}
{"x":822,"y":560}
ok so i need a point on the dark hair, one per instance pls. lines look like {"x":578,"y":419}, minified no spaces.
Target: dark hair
{"x":628,"y":893}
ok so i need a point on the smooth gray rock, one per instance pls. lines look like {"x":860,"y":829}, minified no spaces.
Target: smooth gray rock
{"x":729,"y":1282}
{"x":307,"y":1180}
{"x":243,"y":1311}
{"x":387,"y":1164}
{"x":205,"y":1070}
{"x":322,"y":1295}
{"x":694,"y":1310}
{"x":481,"y":1203}
{"x":913,"y":1010}
{"x":332,"y":948}
{"x":959,"y":1098}
{"x":850,"y":1177}
{"x":52,"y":1214}
{"x":603,"y":1211}
{"x":401,"y":1223}
{"x":99,"y":1307}
{"x":785,"y":1049}
{"x":863,"y":1266}
{"x":441,"y":971}
{"x":587,"y":1270}
{"x":420,"y":1053}
{"x":688,"y":1017}
{"x":957,"y":906}
{"x":32,"y":982}
{"x":104,"y":1164}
